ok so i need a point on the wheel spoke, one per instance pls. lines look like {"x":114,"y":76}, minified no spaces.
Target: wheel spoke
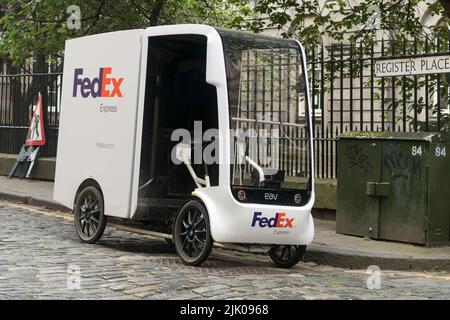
{"x":94,"y":229}
{"x":88,"y":229}
{"x":83,"y":226}
{"x":194,"y":218}
{"x":189,"y":217}
{"x":199,"y":241}
{"x":185,"y":224}
{"x":189,"y":249}
{"x":195,"y":247}
{"x":185,"y":241}
{"x":95,"y":220}
{"x":283,"y":252}
{"x":197,"y":215}
{"x":94,"y":202}
{"x":201,"y":219}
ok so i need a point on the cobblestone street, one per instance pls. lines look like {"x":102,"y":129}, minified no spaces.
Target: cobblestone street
{"x":41,"y":258}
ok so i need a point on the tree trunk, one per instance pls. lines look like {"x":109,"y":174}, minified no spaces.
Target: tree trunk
{"x":156,"y":12}
{"x":446,"y":5}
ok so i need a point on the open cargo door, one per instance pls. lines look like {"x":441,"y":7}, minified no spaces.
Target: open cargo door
{"x":97,"y":131}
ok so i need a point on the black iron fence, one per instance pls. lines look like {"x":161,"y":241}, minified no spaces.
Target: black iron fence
{"x":348,"y":96}
{"x":346,"y":93}
{"x":18,"y":94}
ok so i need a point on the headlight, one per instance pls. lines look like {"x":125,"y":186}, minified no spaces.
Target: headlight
{"x":241,"y":195}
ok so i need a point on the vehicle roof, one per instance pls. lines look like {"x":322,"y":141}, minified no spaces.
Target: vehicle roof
{"x":257,"y":39}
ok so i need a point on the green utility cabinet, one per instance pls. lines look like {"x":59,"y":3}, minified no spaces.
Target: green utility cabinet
{"x":394,"y":186}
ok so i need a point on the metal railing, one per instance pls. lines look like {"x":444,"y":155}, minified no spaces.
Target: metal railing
{"x":18,"y":94}
{"x":347,"y":95}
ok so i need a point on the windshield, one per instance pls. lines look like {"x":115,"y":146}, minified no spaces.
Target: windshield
{"x":269,"y":114}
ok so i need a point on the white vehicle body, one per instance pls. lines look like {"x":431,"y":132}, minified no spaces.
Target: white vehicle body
{"x":100,"y":136}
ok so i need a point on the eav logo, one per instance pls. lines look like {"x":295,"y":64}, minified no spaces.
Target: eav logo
{"x":103,"y":86}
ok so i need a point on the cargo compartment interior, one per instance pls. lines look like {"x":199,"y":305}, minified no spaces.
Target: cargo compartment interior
{"x":176,"y":95}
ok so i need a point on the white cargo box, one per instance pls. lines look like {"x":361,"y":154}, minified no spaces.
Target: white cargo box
{"x":97,"y":132}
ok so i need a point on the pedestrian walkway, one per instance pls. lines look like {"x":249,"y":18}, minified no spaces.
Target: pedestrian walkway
{"x":328,"y":247}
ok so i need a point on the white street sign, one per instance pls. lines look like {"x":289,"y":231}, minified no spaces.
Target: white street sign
{"x":412,"y":66}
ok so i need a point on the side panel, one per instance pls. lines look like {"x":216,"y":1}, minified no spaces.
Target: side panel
{"x":438,"y":219}
{"x":234,"y":222}
{"x":404,"y":167}
{"x":97,"y":130}
{"x":358,"y":163}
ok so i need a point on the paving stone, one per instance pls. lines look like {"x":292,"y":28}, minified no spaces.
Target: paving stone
{"x":143,"y":289}
{"x":120,"y":286}
{"x":35,"y":251}
{"x":209,"y":288}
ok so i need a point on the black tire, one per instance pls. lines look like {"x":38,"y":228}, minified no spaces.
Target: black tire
{"x":191,"y":234}
{"x":89,"y":217}
{"x":285,"y":256}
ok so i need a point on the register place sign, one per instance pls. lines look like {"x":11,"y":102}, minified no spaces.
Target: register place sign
{"x":412,"y":66}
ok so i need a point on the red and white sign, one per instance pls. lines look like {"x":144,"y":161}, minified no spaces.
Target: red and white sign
{"x":36,"y":133}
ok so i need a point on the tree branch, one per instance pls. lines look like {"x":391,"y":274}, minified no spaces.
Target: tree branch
{"x":156,"y":12}
{"x":446,"y":5}
{"x":96,"y":17}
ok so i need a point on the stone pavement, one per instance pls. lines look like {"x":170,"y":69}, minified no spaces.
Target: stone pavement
{"x":42,"y":258}
{"x":327,"y":248}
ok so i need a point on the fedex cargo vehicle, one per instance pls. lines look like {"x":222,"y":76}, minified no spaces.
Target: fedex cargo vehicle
{"x":195,"y":134}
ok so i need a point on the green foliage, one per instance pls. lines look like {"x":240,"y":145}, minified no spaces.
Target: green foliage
{"x":354,"y":29}
{"x":339,"y":20}
{"x":33,"y":27}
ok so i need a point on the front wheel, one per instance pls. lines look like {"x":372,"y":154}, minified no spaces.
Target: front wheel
{"x":191,"y":234}
{"x":286,"y":256}
{"x":89,"y":217}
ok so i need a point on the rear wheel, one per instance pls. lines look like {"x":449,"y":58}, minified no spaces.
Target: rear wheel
{"x":286,"y":256}
{"x":191,"y":234}
{"x":89,"y":217}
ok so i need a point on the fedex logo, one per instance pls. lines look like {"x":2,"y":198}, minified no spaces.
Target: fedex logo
{"x":103,"y":86}
{"x":279,"y":221}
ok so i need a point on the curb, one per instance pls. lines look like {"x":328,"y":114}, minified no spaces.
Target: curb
{"x":316,"y":253}
{"x":34,"y":201}
{"x":342,"y":258}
